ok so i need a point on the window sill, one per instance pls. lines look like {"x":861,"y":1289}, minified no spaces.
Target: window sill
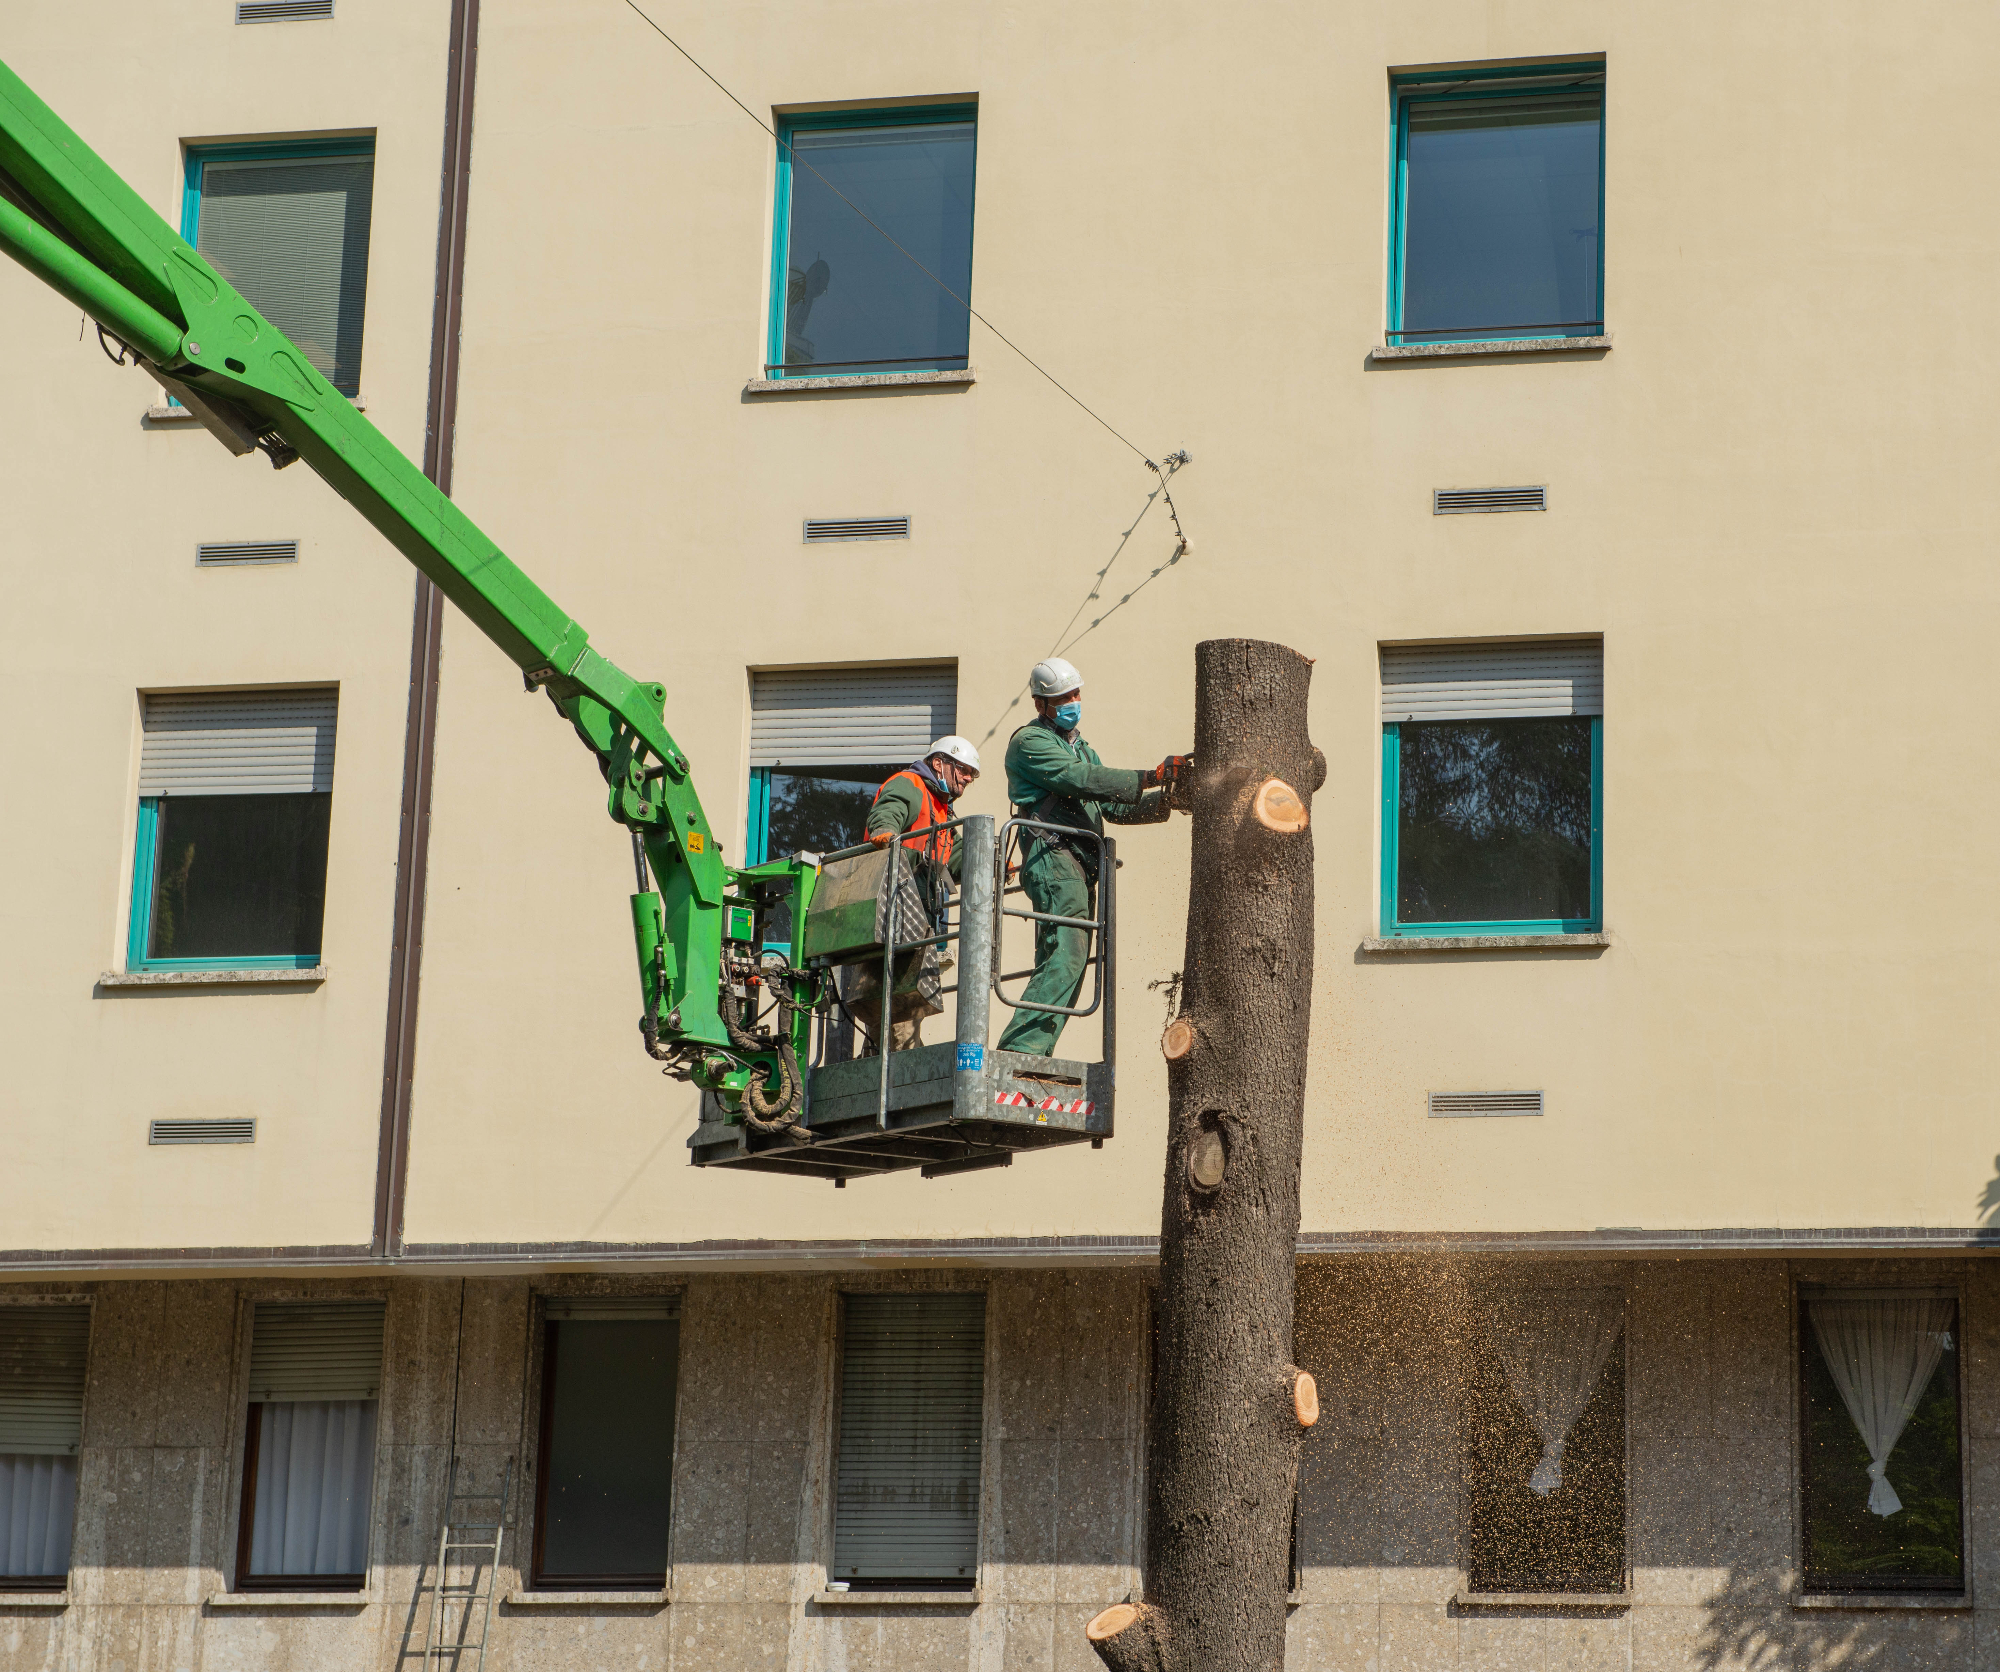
{"x":181,"y":415}
{"x":866,"y":380}
{"x":1484,"y":943}
{"x":1940,"y":1601}
{"x":284,"y":976}
{"x":898,"y":1599}
{"x":1517,"y":345}
{"x":588,"y":1599}
{"x":291,"y":1599}
{"x":33,"y":1599}
{"x":1575,"y":1602}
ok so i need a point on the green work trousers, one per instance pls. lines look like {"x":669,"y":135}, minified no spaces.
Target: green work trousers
{"x":1055,"y":883}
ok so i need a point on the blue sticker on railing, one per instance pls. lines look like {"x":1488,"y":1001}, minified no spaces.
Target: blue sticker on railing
{"x":971,"y":1058}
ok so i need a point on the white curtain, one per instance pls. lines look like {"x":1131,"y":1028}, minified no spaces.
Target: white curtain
{"x":315,"y":1465}
{"x":1882,"y":1354}
{"x":37,"y":1511}
{"x":1553,"y":1345}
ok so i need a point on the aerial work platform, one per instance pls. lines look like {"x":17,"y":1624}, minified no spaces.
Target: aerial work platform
{"x":960,"y":1104}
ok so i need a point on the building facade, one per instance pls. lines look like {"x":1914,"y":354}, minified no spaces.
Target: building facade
{"x":1530,"y":367}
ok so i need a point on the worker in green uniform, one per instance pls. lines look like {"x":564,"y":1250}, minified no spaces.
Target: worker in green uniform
{"x":1056,"y":777}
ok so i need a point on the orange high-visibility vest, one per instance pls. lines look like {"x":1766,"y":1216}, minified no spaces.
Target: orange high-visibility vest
{"x":931,"y":811}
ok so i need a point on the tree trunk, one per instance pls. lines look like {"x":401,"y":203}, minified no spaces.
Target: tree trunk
{"x":1229,"y":1407}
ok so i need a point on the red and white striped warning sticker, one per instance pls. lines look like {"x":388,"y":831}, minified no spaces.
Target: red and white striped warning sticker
{"x":1046,"y":1105}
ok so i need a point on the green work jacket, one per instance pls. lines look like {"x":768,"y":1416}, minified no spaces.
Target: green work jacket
{"x":1055,"y":775}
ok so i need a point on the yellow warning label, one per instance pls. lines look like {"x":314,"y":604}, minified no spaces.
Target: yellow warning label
{"x":694,"y":842}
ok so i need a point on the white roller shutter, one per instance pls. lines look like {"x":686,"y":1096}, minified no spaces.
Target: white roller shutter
{"x":238,"y":742}
{"x":314,"y":1351}
{"x":913,"y":1374}
{"x":1492,"y":680}
{"x":850,"y":716}
{"x":43,"y":1351}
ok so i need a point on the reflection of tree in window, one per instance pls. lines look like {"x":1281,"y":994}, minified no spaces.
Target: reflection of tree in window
{"x":1494,"y":821}
{"x":801,"y":291}
{"x":823,"y":809}
{"x":240,"y":876}
{"x":1850,"y":1545}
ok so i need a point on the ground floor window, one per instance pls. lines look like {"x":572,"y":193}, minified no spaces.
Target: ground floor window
{"x":906,"y":1501}
{"x":42,"y":1358}
{"x":1545,"y":1453}
{"x":605,"y":1487}
{"x":309,"y":1446}
{"x":1880,"y":1457}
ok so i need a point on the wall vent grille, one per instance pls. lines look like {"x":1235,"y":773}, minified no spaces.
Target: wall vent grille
{"x":819,"y":529}
{"x":1458,"y":502}
{"x":203,"y":1132}
{"x":281,"y":11}
{"x":236,"y":554}
{"x":1486,"y":1103}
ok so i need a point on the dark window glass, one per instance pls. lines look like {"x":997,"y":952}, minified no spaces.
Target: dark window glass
{"x":1494,"y":821}
{"x":1573,"y":1539}
{"x":853,"y":300}
{"x":291,"y":233}
{"x":1849,"y":1544}
{"x":240,"y":876}
{"x":1500,"y":216}
{"x":607,"y":1452}
{"x":822,"y":809}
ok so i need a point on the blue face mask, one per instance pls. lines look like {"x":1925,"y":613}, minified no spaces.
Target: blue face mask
{"x":1068,"y":715}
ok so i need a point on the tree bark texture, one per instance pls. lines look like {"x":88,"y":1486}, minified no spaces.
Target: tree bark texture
{"x":1229,"y":1407}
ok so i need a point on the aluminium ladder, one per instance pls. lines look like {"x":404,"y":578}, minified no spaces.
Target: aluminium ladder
{"x":441,"y":1644}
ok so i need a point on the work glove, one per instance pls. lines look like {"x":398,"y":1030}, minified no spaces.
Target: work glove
{"x":1169,"y":771}
{"x":880,"y":838}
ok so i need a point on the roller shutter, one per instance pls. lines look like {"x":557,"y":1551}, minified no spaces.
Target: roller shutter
{"x":912,"y":1379}
{"x":850,"y":716}
{"x":1492,"y":680}
{"x":238,"y":742}
{"x":43,"y":1351}
{"x":311,"y":1351}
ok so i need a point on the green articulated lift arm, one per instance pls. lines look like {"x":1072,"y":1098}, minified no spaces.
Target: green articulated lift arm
{"x":74,"y":223}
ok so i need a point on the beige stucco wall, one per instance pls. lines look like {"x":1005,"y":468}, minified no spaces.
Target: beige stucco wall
{"x":1772,"y":497}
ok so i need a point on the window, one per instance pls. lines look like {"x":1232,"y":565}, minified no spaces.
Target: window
{"x":1879,"y":1441}
{"x":1492,"y":788}
{"x":287,"y":225}
{"x":1545,"y":1431}
{"x":604,"y":1498}
{"x":1498,"y":205}
{"x":844,"y":299}
{"x":906,"y":1503}
{"x":822,"y":740}
{"x":42,"y":1355}
{"x":309,"y":1447}
{"x":235,"y":802}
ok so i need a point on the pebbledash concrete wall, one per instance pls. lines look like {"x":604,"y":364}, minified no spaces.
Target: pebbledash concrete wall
{"x":1710,"y":1498}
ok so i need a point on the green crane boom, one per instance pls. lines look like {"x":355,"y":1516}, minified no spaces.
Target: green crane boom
{"x":73,"y":222}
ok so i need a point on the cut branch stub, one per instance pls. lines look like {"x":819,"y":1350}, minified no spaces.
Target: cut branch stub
{"x":1129,"y":1637}
{"x":1278,"y":807}
{"x":1208,"y":1160}
{"x":1178,"y":1039}
{"x":1305,"y":1399}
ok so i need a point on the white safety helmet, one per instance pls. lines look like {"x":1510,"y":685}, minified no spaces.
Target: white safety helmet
{"x":1054,"y":678}
{"x":956,"y":748}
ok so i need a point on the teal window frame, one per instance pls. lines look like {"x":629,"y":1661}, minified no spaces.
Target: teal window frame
{"x":139,"y":934}
{"x":1392,"y":818}
{"x":1492,"y":83}
{"x":781,"y":227}
{"x":198,"y":156}
{"x":757,"y":821}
